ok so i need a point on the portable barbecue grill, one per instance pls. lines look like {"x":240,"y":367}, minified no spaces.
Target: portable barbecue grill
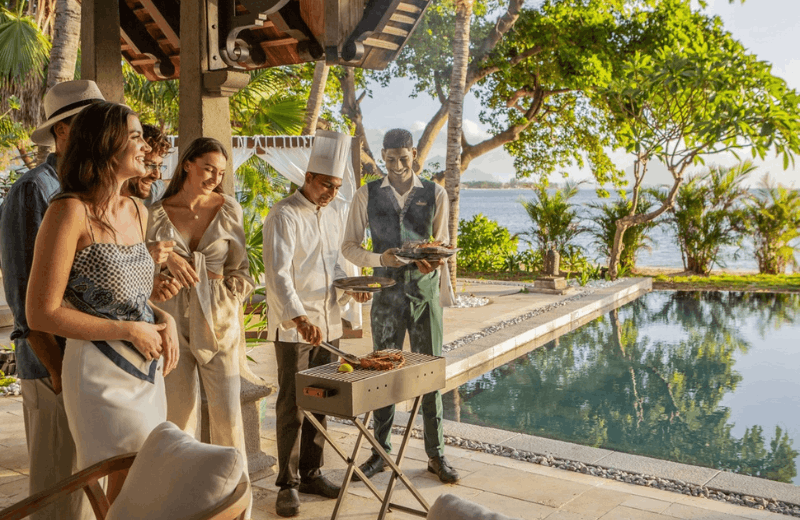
{"x":325,"y":390}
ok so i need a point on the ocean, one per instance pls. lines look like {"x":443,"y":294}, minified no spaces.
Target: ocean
{"x":504,"y":207}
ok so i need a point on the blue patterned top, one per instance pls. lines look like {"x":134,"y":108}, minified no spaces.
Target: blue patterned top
{"x":114,"y":281}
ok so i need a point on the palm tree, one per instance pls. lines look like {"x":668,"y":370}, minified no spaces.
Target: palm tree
{"x":315,"y":98}
{"x":774,"y":220}
{"x":272,"y":103}
{"x":24,"y":52}
{"x":66,"y":37}
{"x":458,"y":80}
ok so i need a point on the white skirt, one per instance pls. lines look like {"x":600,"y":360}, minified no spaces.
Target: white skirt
{"x":110,"y":411}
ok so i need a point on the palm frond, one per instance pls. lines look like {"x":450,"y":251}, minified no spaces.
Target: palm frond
{"x":23,"y":47}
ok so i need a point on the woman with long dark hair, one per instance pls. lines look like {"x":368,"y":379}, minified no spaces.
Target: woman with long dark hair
{"x":90,"y":282}
{"x":212,"y":266}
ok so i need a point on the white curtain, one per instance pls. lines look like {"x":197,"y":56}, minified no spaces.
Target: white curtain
{"x":289,"y":156}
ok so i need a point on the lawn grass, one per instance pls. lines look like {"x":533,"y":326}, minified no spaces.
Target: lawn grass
{"x":518,"y":276}
{"x":731,"y":282}
{"x":717,"y":282}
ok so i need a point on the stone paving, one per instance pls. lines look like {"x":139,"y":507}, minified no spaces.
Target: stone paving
{"x":516,"y":488}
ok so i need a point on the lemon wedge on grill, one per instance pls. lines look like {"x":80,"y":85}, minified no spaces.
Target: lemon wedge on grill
{"x":344,"y":367}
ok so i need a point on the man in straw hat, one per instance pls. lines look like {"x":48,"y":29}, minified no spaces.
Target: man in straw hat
{"x":50,"y":445}
{"x":302,"y":235}
{"x":396,"y":209}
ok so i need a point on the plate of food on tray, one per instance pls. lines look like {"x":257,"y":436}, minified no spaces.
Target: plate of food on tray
{"x":426,"y":250}
{"x":363,"y":283}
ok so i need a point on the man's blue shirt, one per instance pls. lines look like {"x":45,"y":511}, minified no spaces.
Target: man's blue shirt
{"x":157,"y":190}
{"x":21,"y":215}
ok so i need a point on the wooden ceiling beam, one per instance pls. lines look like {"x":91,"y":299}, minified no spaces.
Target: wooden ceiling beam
{"x":161,"y":20}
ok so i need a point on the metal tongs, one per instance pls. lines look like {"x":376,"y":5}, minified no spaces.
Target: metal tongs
{"x":350,"y":358}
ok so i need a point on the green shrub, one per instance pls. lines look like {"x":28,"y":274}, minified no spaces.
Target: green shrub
{"x":707,"y":215}
{"x":774,"y":222}
{"x":484,"y":244}
{"x":635,"y":239}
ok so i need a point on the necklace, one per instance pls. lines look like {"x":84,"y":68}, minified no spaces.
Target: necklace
{"x":189,"y":207}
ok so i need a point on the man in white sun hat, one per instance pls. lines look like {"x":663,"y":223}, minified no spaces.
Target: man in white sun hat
{"x":302,"y":235}
{"x":50,"y":445}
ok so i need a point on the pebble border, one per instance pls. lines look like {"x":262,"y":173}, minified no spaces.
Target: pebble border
{"x":629,"y":477}
{"x":14,"y":389}
{"x":675,"y":486}
{"x":486,"y":331}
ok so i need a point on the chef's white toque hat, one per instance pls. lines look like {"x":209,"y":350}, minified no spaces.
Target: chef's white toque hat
{"x":330,"y":153}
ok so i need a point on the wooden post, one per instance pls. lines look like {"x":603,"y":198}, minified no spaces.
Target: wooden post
{"x":204,"y":109}
{"x":100,"y":47}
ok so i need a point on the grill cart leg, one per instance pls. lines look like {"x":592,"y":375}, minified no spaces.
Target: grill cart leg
{"x":364,"y":433}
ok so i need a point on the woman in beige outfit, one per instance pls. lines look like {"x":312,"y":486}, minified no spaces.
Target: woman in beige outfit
{"x":211,"y":263}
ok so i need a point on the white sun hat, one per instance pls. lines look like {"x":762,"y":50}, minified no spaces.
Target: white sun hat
{"x":62,"y":101}
{"x":330,"y":153}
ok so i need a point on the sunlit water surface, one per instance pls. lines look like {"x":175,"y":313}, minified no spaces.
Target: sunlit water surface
{"x":674,"y":375}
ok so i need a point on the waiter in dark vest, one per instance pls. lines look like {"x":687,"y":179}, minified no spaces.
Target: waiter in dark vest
{"x":397,"y":209}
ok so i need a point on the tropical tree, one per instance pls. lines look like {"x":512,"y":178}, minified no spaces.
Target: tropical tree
{"x":527,"y":66}
{"x":156,"y":102}
{"x":66,"y":38}
{"x":774,"y":223}
{"x":704,"y":95}
{"x":708,"y":215}
{"x":350,"y":80}
{"x":315,"y":98}
{"x":458,"y":77}
{"x":605,"y":226}
{"x":273,"y":102}
{"x":554,"y":219}
{"x":24,"y":51}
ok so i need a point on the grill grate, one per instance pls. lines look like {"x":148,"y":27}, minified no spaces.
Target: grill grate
{"x":325,"y":390}
{"x":331,"y":370}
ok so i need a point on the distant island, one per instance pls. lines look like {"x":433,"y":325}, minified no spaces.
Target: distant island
{"x":496,"y":185}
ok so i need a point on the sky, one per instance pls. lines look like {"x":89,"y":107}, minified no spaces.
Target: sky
{"x":768,"y":28}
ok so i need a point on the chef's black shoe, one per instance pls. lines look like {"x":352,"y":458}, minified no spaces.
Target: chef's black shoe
{"x":288,"y":503}
{"x":320,"y":486}
{"x":441,"y":468}
{"x":373,"y":465}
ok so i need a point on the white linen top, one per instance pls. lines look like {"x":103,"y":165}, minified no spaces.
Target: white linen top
{"x":358,"y":222}
{"x":221,"y":250}
{"x":301,"y":261}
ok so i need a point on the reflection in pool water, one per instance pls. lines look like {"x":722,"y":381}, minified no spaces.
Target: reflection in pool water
{"x":703,"y":378}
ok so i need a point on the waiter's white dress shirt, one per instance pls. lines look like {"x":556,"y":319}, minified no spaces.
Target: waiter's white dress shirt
{"x":301,"y":261}
{"x":358,"y":222}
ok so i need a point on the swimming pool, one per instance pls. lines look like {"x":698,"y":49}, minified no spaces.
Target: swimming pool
{"x":703,"y":378}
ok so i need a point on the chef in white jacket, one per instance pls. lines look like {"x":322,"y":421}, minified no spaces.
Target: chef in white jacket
{"x":302,"y":238}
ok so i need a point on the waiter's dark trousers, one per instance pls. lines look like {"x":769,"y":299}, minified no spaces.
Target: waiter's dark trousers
{"x":392,"y":315}
{"x":300,"y":445}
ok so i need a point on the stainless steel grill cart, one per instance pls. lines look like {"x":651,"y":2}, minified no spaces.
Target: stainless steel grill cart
{"x":347,"y":395}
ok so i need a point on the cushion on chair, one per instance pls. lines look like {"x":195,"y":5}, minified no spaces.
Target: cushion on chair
{"x":451,"y":507}
{"x":174,"y":476}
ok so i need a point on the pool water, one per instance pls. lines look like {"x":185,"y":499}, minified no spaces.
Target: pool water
{"x":702,"y":378}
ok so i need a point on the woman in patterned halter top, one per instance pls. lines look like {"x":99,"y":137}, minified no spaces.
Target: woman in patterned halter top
{"x":91,"y":281}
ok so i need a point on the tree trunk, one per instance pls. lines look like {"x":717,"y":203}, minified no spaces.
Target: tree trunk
{"x":64,"y":52}
{"x":26,"y":157}
{"x":66,"y":38}
{"x":633,"y":220}
{"x":351,"y":108}
{"x":454,"y":120}
{"x":315,"y":98}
